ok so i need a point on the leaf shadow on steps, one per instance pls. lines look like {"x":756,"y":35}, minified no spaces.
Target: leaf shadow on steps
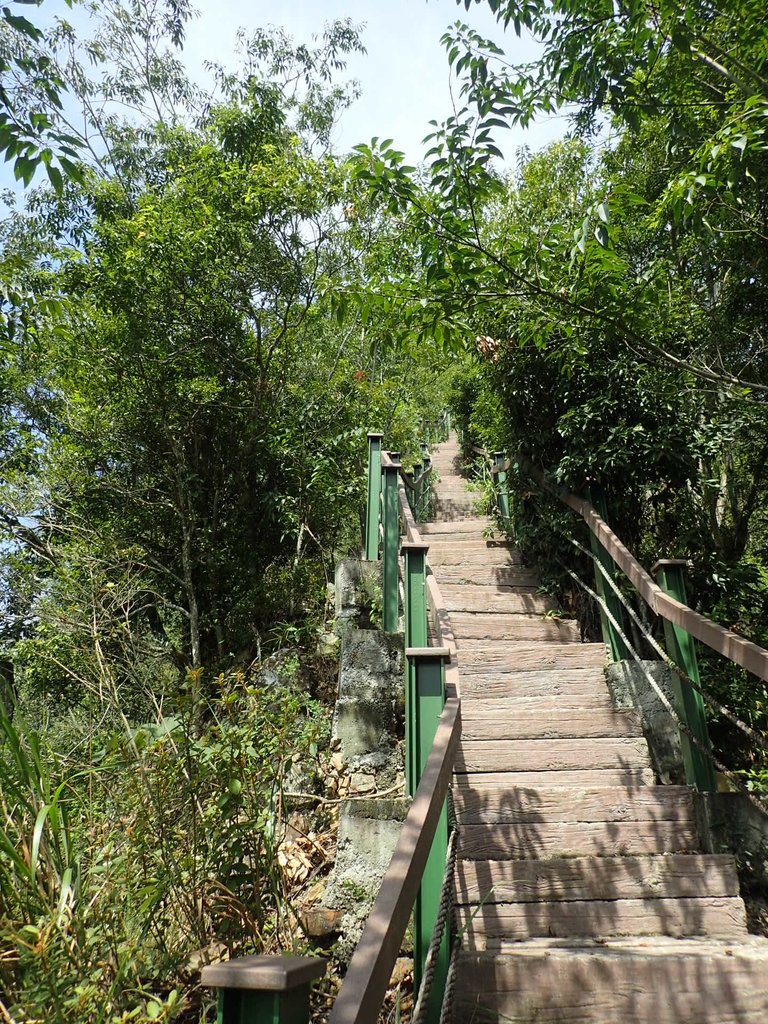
{"x":615,"y":849}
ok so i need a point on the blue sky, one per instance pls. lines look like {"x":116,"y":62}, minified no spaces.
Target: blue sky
{"x":404,"y":76}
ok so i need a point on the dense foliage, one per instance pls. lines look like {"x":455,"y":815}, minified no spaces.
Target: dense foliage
{"x":182,"y":439}
{"x":203,"y":311}
{"x":613,"y":288}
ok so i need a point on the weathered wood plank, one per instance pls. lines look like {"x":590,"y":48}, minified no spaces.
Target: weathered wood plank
{"x":494,"y":626}
{"x":514,"y":656}
{"x":596,"y":878}
{"x":478,"y":705}
{"x":723,"y":916}
{"x":471,"y":525}
{"x":493,"y":598}
{"x":481,"y":575}
{"x":562,"y":777}
{"x":576,"y":683}
{"x":554,"y":723}
{"x":568,"y":839}
{"x":659,"y":981}
{"x":445,"y":554}
{"x":491,"y":805}
{"x":551,"y":755}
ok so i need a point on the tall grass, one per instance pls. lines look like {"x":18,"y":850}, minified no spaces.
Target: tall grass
{"x":124,"y":870}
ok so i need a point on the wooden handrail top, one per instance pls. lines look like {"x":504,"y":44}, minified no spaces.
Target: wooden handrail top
{"x":263,"y":973}
{"x":724,"y":641}
{"x":362,"y":992}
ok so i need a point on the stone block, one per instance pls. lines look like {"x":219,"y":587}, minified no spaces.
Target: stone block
{"x":631,"y":691}
{"x":368,"y":834}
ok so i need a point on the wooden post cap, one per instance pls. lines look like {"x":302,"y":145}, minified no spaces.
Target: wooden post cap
{"x":374,"y":434}
{"x":414,"y":545}
{"x":444,"y":653}
{"x":266,"y":973}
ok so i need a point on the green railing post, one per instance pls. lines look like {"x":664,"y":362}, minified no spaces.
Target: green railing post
{"x":374,"y":493}
{"x":428,"y":699}
{"x":415,"y":613}
{"x":390,"y":557}
{"x":417,"y":488}
{"x":699,"y":770}
{"x":263,"y":989}
{"x":611,"y":638}
{"x":502,"y":490}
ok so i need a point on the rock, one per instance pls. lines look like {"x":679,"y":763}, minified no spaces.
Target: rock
{"x":402,"y":971}
{"x":362,"y":782}
{"x":320,"y":922}
{"x":630,"y":690}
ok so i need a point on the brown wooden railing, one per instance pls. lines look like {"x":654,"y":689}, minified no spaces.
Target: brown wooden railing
{"x":416,"y":868}
{"x":681,"y":623}
{"x":370,"y":969}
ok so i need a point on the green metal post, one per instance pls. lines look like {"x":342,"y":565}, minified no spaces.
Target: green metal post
{"x":264,"y":1007}
{"x":391,"y":522}
{"x":699,"y":770}
{"x":428,"y":700}
{"x":374,"y":492}
{"x":417,"y":488}
{"x":263,"y":989}
{"x":502,"y":490}
{"x":415,"y":613}
{"x":611,"y":638}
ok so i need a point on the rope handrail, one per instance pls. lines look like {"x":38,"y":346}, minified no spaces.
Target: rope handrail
{"x":413,"y":484}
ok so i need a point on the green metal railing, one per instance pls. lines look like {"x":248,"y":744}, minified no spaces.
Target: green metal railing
{"x":667,"y":599}
{"x":275,"y":990}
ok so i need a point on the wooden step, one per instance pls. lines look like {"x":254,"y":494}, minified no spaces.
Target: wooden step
{"x":542,"y":839}
{"x":477,"y":705}
{"x":559,"y":724}
{"x":549,"y":804}
{"x":596,"y":878}
{"x":493,"y":626}
{"x":551,"y":755}
{"x":471,"y":525}
{"x":486,"y":657}
{"x":564,"y":777}
{"x":483,"y":554}
{"x":485,"y":927}
{"x":493,"y":598}
{"x":576,"y":684}
{"x":447,"y":512}
{"x":447,"y":573}
{"x":632,"y":981}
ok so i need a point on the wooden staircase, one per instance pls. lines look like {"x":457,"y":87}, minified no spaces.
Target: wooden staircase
{"x":582,"y":895}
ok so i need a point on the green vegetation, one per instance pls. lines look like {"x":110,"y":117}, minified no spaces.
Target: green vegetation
{"x":182,"y":439}
{"x":203,"y":311}
{"x":614,"y":291}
